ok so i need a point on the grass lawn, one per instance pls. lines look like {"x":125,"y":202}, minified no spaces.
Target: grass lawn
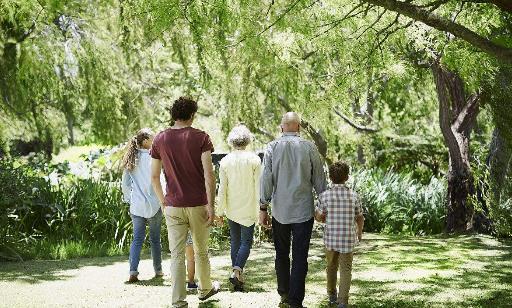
{"x":388,"y":271}
{"x":73,"y":154}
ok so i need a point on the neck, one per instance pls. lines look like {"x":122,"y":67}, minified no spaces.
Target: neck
{"x":182,"y":124}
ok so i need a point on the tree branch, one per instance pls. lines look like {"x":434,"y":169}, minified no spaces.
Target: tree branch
{"x":502,"y":53}
{"x":358,"y":127}
{"x":467,"y":116}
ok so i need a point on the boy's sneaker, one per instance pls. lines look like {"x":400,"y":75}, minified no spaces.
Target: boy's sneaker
{"x":215,"y":289}
{"x":192,"y":286}
{"x":342,"y":306}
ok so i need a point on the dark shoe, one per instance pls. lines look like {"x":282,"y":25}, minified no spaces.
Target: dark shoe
{"x":213,"y":291}
{"x":239,"y":289}
{"x":342,"y":306}
{"x":191,"y":286}
{"x":133,"y":279}
{"x":333,"y":299}
{"x":236,"y":283}
{"x":284,"y":303}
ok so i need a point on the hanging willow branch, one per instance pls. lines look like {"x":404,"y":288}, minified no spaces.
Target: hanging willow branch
{"x":415,"y":12}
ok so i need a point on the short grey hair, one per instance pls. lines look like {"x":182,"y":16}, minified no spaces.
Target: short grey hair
{"x":240,"y":136}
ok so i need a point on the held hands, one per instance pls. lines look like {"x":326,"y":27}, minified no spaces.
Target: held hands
{"x":219,"y":221}
{"x":211,"y":215}
{"x":265,"y":220}
{"x":320,"y":216}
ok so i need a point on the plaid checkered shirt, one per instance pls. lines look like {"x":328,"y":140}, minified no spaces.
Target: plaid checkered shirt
{"x":342,"y":205}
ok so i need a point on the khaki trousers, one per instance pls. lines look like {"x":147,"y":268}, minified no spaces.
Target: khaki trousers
{"x":343,"y":261}
{"x":179,"y":221}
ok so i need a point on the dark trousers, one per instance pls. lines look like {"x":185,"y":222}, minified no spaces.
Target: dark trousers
{"x":292,"y":283}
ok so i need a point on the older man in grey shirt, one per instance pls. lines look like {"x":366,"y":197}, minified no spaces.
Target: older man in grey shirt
{"x":292,"y":169}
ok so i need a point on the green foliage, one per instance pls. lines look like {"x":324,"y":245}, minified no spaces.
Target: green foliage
{"x":71,"y":215}
{"x":396,"y":203}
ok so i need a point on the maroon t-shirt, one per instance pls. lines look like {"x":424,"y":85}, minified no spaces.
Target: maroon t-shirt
{"x":180,"y":152}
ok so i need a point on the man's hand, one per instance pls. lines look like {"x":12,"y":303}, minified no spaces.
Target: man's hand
{"x":211,"y":215}
{"x":264,"y":220}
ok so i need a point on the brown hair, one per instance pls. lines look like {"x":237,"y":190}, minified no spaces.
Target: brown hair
{"x":338,"y":172}
{"x":131,"y":150}
{"x":183,"y":109}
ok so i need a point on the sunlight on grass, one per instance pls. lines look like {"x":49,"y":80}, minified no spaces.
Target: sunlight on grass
{"x":72,"y":154}
{"x":388,"y":271}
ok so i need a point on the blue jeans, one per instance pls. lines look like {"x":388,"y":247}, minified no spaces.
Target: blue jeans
{"x":139,"y":233}
{"x":241,"y":243}
{"x":292,"y":282}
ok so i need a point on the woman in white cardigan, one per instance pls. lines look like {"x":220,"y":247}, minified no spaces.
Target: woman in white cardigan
{"x":238,"y":198}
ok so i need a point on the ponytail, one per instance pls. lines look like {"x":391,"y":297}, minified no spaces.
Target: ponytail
{"x":132,"y":148}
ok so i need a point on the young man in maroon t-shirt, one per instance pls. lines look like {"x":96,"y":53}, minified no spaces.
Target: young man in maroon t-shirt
{"x":185,"y":155}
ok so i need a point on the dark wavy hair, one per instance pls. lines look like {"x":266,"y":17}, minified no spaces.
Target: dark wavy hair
{"x":338,"y":172}
{"x":183,"y":109}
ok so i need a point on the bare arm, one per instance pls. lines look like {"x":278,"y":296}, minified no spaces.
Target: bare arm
{"x":156,"y":168}
{"x":209,"y":181}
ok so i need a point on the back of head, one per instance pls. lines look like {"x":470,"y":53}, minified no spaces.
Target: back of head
{"x":183,"y":109}
{"x":240,"y":136}
{"x":290,"y":122}
{"x":132,"y":147}
{"x":338,"y":172}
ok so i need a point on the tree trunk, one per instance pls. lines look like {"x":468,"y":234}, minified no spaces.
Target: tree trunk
{"x":457,"y":117}
{"x":499,"y":161}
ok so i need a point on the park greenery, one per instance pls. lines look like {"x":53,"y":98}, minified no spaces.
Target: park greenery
{"x":415,"y":95}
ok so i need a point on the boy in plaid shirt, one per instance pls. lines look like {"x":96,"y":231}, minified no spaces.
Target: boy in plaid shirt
{"x":340,"y":208}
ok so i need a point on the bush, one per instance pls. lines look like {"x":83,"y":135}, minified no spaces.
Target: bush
{"x":75,"y":212}
{"x":397,"y":203}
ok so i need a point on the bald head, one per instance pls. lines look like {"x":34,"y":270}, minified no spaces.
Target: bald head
{"x":290,"y":122}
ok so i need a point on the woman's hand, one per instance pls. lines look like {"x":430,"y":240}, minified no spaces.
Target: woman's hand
{"x":219,"y":221}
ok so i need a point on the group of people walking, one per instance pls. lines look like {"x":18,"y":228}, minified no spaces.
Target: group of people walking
{"x":292,"y":169}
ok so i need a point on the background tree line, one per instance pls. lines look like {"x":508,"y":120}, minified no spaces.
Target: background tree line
{"x":411,"y":86}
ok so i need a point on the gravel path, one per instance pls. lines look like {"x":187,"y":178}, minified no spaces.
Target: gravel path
{"x":100,"y":282}
{"x":388,"y":271}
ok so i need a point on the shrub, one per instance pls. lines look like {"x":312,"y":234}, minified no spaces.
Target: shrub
{"x":397,"y":203}
{"x":75,"y":212}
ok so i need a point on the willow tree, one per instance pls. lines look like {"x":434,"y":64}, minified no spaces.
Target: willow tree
{"x":259,"y":58}
{"x":62,"y":70}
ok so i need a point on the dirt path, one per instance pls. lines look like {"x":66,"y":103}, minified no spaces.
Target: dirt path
{"x":465,"y":271}
{"x":99,"y":282}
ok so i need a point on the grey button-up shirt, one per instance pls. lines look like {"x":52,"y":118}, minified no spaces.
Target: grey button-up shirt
{"x":292,"y":167}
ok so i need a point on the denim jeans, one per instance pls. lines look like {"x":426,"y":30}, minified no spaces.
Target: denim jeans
{"x":292,"y":283}
{"x":241,"y":243}
{"x":139,"y":233}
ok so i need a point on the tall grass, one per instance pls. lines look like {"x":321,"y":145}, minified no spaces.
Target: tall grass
{"x":397,"y":203}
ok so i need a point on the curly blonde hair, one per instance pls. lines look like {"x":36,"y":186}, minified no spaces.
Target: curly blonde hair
{"x":240,"y":136}
{"x":132,"y":147}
